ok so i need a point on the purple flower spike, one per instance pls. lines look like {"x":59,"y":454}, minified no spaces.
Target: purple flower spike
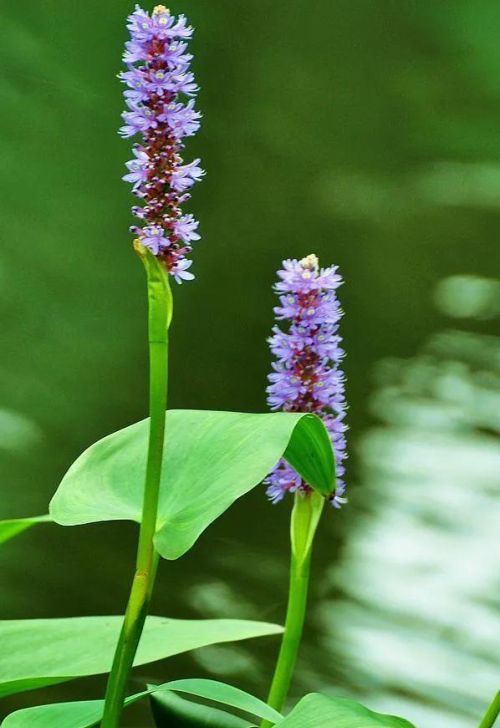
{"x":306,"y":376}
{"x":157,"y":76}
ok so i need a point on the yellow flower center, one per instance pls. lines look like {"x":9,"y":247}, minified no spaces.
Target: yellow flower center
{"x":310,"y":262}
{"x":161,"y":10}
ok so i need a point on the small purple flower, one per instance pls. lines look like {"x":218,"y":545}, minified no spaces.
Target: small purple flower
{"x":153,"y":237}
{"x":185,"y":228}
{"x":306,"y":375}
{"x":180,"y":271}
{"x":157,"y":78}
{"x":185,"y":176}
{"x":138,"y":168}
{"x":181,"y":119}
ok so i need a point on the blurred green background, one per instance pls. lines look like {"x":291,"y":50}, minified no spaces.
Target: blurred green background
{"x":367,"y":131}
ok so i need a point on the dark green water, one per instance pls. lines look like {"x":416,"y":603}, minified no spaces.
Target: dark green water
{"x":367,"y":132}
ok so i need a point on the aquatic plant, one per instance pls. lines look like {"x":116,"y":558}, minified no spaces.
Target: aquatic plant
{"x":176,"y":472}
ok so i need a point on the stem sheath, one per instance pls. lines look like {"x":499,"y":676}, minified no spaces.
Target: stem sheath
{"x":304,"y":522}
{"x":492,"y":713}
{"x":160,"y":315}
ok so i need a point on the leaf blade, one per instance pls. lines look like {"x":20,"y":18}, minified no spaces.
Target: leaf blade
{"x":211,"y":459}
{"x":172,"y":711}
{"x":88,"y":713}
{"x":36,"y":653}
{"x":83,"y":714}
{"x":323,"y":711}
{"x":63,"y":715}
{"x":15,"y":526}
{"x":310,"y":437}
{"x":226,"y":694}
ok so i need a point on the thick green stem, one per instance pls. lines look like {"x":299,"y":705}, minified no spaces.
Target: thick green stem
{"x":160,"y":314}
{"x":304,"y":522}
{"x":297,"y":604}
{"x":492,"y":713}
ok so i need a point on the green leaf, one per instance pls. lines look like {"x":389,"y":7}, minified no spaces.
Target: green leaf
{"x":62,"y":715}
{"x":322,"y":711}
{"x":85,"y":714}
{"x":41,"y":652}
{"x":227,"y":694}
{"x":172,"y":711}
{"x":89,"y":713}
{"x":211,"y":459}
{"x":10,"y":529}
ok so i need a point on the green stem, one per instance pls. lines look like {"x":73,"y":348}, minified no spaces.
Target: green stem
{"x":160,"y":314}
{"x":304,"y":522}
{"x":492,"y":713}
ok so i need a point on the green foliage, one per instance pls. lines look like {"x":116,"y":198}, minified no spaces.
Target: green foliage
{"x":43,"y":652}
{"x":13,"y":527}
{"x":89,"y":713}
{"x":226,"y":694}
{"x":393,"y":181}
{"x":172,"y":711}
{"x":62,"y":715}
{"x":322,"y":711}
{"x":84,"y":714}
{"x":211,"y":459}
{"x":313,"y":711}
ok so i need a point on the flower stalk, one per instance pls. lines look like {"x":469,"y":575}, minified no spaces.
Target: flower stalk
{"x":306,"y":377}
{"x":306,"y":513}
{"x":160,"y":107}
{"x":160,"y":315}
{"x":492,"y":713}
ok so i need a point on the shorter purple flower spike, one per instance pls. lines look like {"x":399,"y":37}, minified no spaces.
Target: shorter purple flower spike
{"x":306,"y":375}
{"x":157,"y":77}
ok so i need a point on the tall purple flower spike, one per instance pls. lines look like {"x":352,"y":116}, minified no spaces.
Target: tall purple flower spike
{"x":159,"y":96}
{"x":307,"y":375}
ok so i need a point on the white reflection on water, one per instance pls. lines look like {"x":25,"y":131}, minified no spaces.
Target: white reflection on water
{"x":419,"y":622}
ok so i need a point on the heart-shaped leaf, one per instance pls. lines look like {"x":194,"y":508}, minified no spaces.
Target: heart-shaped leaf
{"x":172,"y":711}
{"x":13,"y":527}
{"x":323,"y":711}
{"x":39,"y":652}
{"x":211,"y":459}
{"x":87,"y":714}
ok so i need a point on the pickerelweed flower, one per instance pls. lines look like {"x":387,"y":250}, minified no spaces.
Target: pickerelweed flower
{"x":159,"y":97}
{"x":307,"y":375}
